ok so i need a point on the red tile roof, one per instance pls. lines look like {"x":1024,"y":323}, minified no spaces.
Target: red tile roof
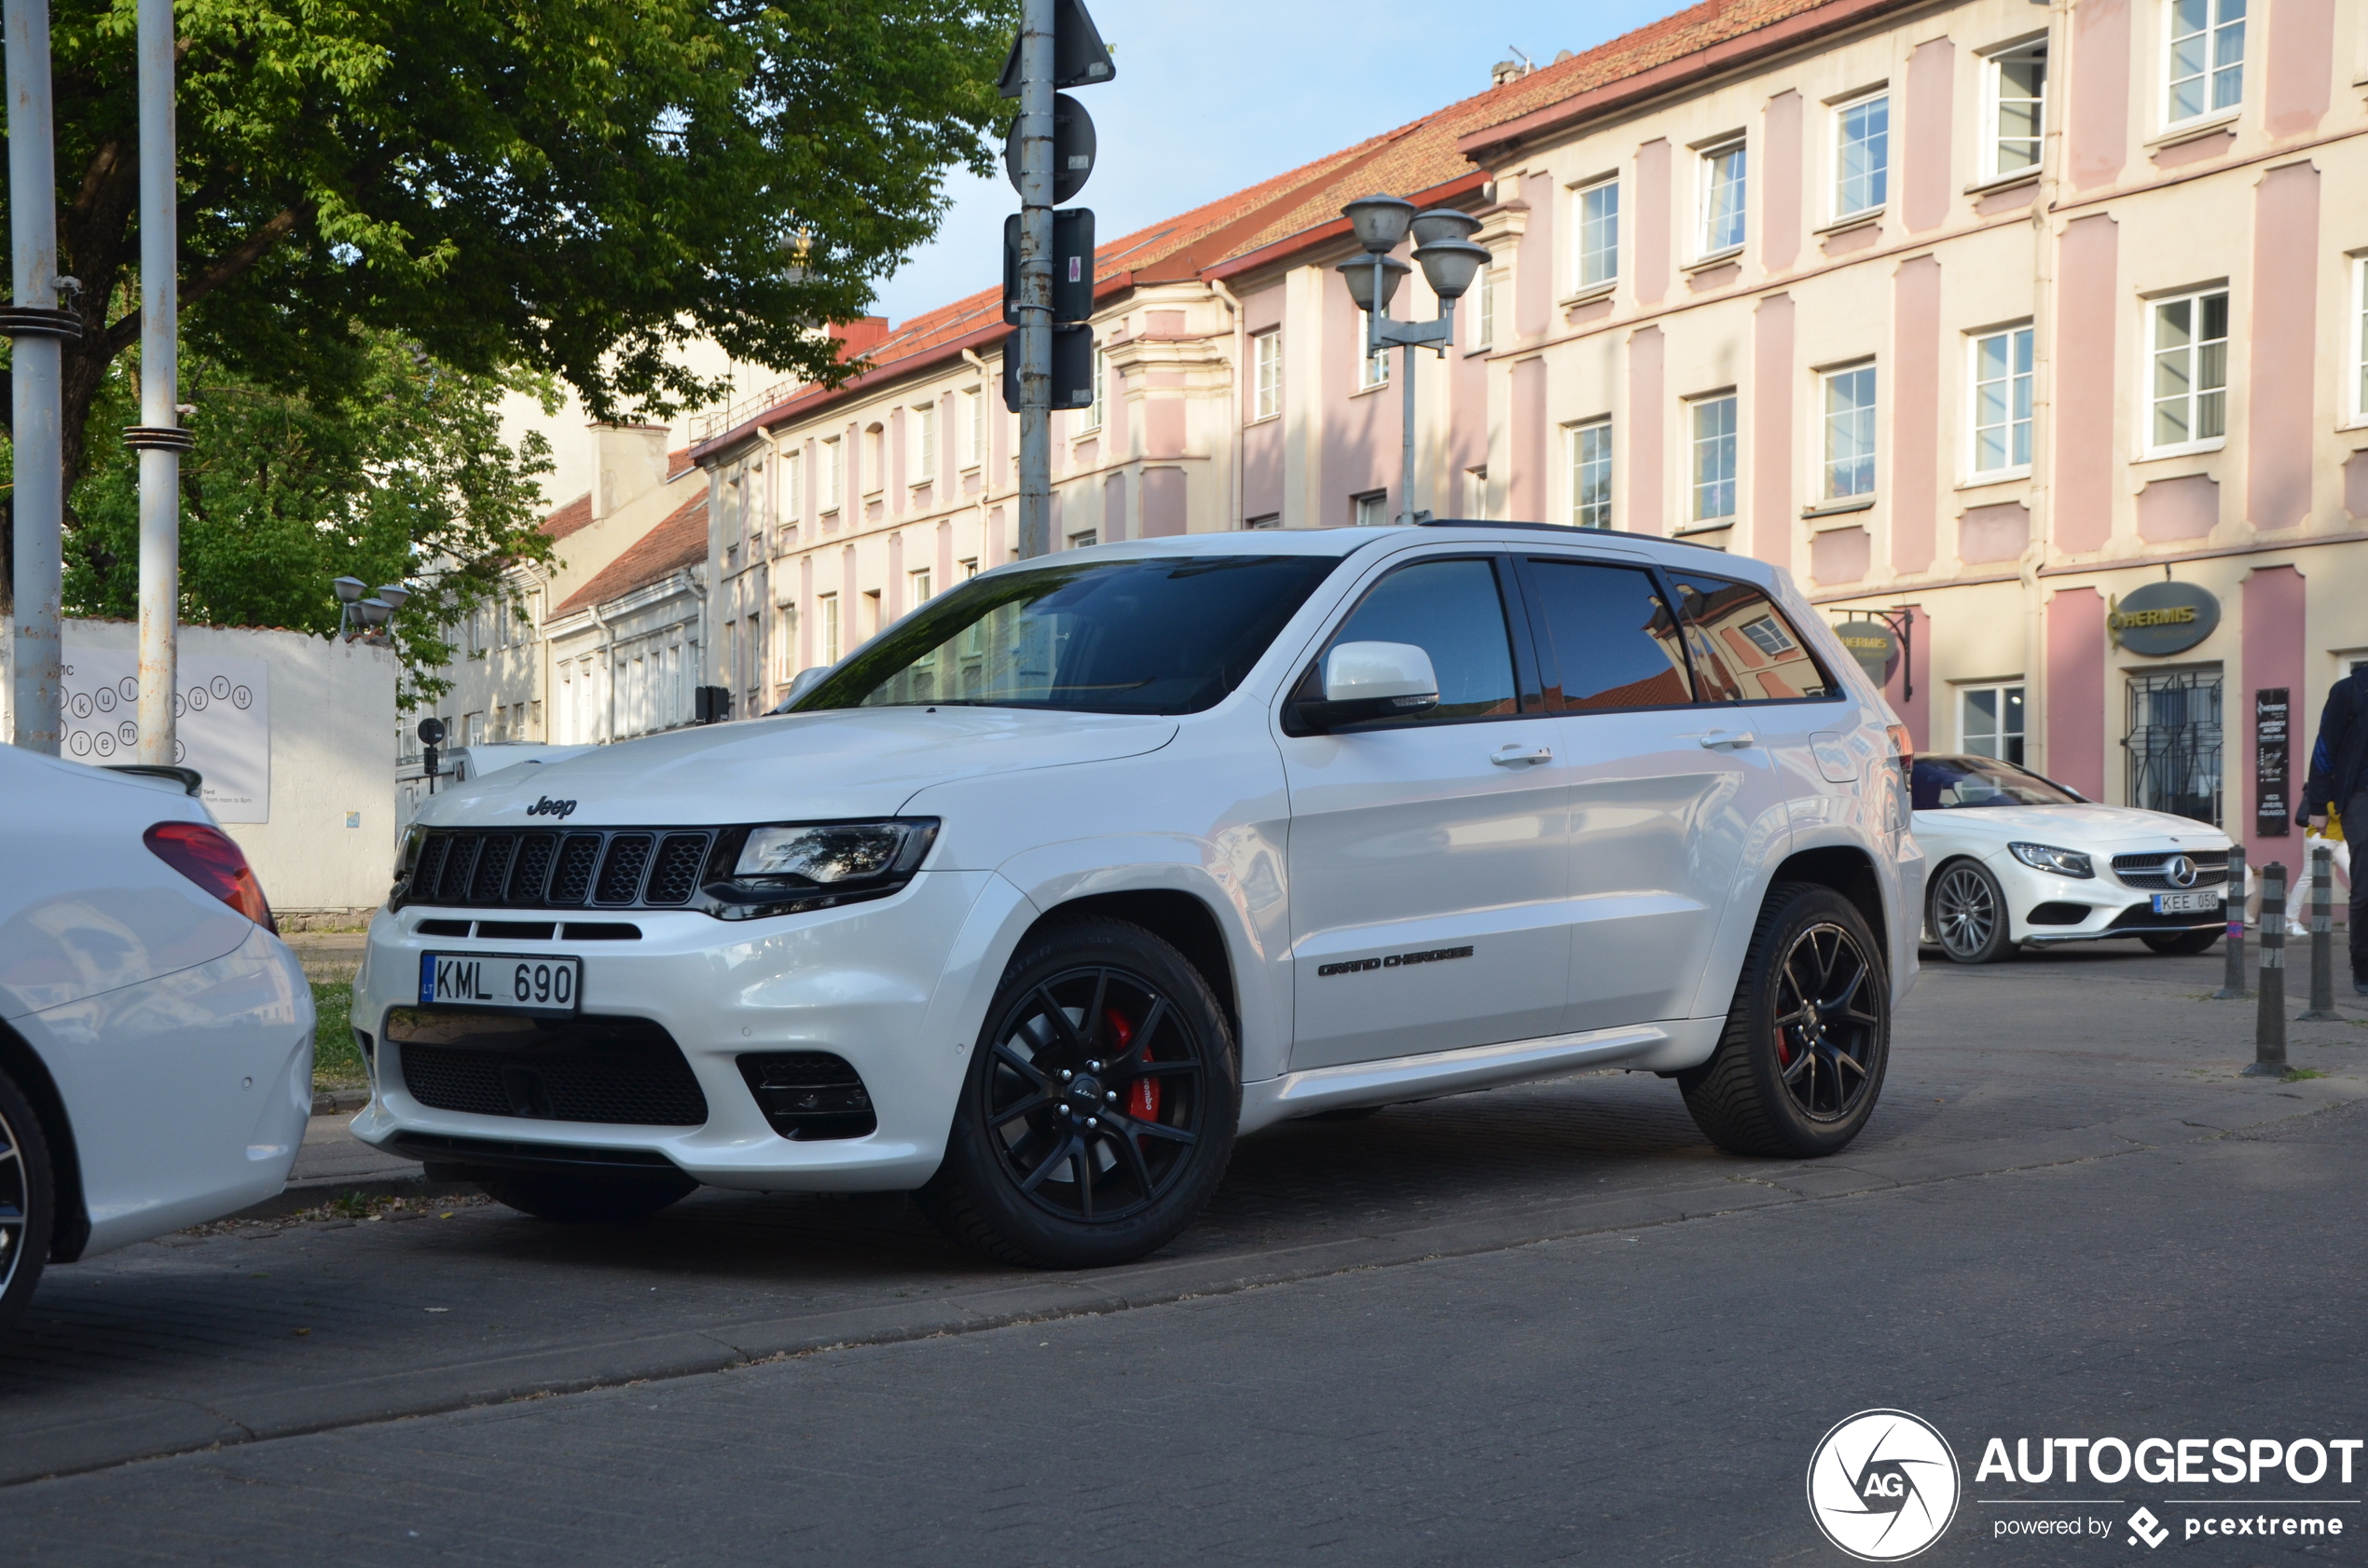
{"x":576,"y":513}
{"x":678,"y":542}
{"x":677,"y":462}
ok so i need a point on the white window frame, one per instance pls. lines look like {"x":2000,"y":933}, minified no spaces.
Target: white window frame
{"x":1589,"y":457}
{"x":1595,"y":257}
{"x":1879,"y":173}
{"x":2214,"y":29}
{"x":826,"y":608}
{"x":2021,"y":346}
{"x":1266,"y":361}
{"x":2195,"y":352}
{"x":1476,"y":493}
{"x":2358,"y":399}
{"x":1484,"y":312}
{"x":875,"y":458}
{"x":834,"y":474}
{"x":788,"y":492}
{"x":1368,"y":510}
{"x":1097,"y":410}
{"x":1994,"y":100}
{"x":925,"y":443}
{"x":2000,"y":688}
{"x":1707,"y":243}
{"x":1373,"y":370}
{"x":1727,"y":443}
{"x":969,"y":435}
{"x":917,"y":583}
{"x":1826,"y":429}
{"x":1269,"y":520}
{"x":1085,"y":539}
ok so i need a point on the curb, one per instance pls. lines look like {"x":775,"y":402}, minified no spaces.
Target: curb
{"x":338,"y":1102}
{"x":299,"y":1196}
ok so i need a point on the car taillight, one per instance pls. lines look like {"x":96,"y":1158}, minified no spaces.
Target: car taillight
{"x":207,"y":857}
{"x":1906,"y":749}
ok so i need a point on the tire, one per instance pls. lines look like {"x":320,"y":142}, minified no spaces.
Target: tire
{"x":1965,"y":911}
{"x":1761,"y":1094}
{"x":28,"y":1200}
{"x":2182,"y":945}
{"x":586,"y":1199}
{"x":1100,"y":1105}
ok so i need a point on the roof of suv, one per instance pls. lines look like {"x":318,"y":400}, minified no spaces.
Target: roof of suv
{"x":1346,"y":541}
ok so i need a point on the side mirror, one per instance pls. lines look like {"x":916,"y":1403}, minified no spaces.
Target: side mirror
{"x":1373,"y":681}
{"x":806,"y":680}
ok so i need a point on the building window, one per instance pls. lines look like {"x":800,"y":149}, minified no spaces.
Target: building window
{"x":917,"y":588}
{"x":2018,"y":109}
{"x":2174,"y":743}
{"x":1266,"y":358}
{"x":1850,"y":432}
{"x":1598,"y":233}
{"x":1094,"y":410}
{"x":789,"y":495}
{"x":1723,"y":199}
{"x":1591,"y":475}
{"x":969,"y":436}
{"x":1484,"y":313}
{"x":1862,"y":155}
{"x":2206,"y":75}
{"x":874,"y":458}
{"x":1269,"y":520}
{"x":925,"y":443}
{"x":2360,"y":339}
{"x":1370,"y":510}
{"x":1373,"y":371}
{"x":2002,"y":401}
{"x":1990,"y":721}
{"x":1713,"y":448}
{"x":2189,"y":383}
{"x":829,"y":605}
{"x":969,"y":567}
{"x":1086,"y":539}
{"x":834,"y":474}
{"x":1476,"y":493}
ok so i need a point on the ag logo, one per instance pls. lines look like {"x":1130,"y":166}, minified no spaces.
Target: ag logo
{"x":1882,"y":1485}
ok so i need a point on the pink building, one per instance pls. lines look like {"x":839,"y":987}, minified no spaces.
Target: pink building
{"x":2041,"y":331}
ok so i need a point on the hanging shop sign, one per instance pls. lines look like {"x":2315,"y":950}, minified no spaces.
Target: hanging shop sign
{"x":2273,"y":805}
{"x":1874,"y":645}
{"x":2162,"y":618}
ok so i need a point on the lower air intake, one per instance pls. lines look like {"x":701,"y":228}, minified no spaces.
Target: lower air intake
{"x":622,"y":1071}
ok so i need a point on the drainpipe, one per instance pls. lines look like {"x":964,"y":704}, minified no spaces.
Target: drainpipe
{"x":986,"y":472}
{"x":1239,"y":379}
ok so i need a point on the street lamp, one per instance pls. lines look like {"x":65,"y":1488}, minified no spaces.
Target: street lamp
{"x":349,"y":589}
{"x":1450,"y":261}
{"x":372,"y":614}
{"x":394,"y":594}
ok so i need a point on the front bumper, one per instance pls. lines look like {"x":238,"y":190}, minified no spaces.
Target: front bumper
{"x":888,"y":986}
{"x":2039,"y":904}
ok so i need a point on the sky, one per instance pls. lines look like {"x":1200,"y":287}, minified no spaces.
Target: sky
{"x":1214,"y":95}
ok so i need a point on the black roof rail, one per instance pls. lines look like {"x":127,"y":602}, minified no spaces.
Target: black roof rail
{"x":1562,"y":527}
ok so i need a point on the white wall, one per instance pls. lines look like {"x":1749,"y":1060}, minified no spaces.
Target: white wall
{"x":327,"y":842}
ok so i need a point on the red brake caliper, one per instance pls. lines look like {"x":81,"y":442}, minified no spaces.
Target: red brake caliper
{"x":1143,"y":1100}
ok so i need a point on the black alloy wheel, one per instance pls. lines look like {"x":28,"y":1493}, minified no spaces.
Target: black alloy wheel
{"x":1800,"y":1063}
{"x":1099,"y":1112}
{"x":1966,"y":912}
{"x":28,"y":1198}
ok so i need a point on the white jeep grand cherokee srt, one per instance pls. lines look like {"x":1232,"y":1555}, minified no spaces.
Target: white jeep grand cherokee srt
{"x":1040,"y":897}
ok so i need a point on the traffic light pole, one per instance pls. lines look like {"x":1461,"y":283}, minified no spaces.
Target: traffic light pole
{"x":158,"y":437}
{"x":36,"y":324}
{"x":1035,"y":333}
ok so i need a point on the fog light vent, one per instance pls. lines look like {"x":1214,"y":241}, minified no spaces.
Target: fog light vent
{"x":2056,"y":914}
{"x":810,"y":1095}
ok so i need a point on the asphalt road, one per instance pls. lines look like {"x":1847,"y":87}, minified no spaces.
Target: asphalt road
{"x":1537,"y":1325}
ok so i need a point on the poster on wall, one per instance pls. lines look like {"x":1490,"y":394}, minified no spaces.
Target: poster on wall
{"x":2273,"y":800}
{"x":222,"y":716}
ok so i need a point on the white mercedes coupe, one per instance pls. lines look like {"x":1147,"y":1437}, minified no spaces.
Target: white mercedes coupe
{"x":2020,"y":859}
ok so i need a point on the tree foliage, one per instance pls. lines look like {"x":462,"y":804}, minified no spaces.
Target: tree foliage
{"x":404,"y":477}
{"x":571,"y":185}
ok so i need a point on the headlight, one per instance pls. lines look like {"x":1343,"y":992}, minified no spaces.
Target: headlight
{"x":408,"y":855}
{"x":2047,"y":856}
{"x":785,"y":868}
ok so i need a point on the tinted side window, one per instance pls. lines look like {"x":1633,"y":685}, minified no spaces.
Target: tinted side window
{"x":1744,"y":649}
{"x":1452,"y":611}
{"x":1613,"y":640}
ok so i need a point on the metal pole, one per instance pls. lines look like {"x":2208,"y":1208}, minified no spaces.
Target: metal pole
{"x":2269,"y":1025}
{"x":36,"y":325}
{"x":1406,"y":439}
{"x":1036,"y":276}
{"x":2232,"y":987}
{"x":157,"y":436}
{"x":2322,"y":939}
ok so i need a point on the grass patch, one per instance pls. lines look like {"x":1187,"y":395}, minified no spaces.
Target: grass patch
{"x":2301,"y":1073}
{"x":337,"y":1061}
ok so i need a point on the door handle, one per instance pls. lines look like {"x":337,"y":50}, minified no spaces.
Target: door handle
{"x":1512,"y":754}
{"x":1728,"y":740}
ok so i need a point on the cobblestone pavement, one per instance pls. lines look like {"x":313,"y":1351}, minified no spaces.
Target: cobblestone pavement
{"x":2084,"y":1055}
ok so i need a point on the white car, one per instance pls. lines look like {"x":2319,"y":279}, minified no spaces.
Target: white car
{"x":1081,"y":869}
{"x":156,"y":1036}
{"x":2017,"y":859}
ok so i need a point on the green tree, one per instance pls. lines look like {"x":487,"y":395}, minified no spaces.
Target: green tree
{"x":573,"y":186}
{"x":402,"y":477}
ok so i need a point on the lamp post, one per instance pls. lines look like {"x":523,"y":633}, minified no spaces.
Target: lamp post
{"x":1450,"y":261}
{"x":349,"y":592}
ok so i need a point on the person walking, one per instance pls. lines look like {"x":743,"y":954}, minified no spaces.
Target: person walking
{"x":2338,"y":778}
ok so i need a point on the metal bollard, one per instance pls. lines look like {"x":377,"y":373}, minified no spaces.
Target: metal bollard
{"x":2269,"y":1028}
{"x":2322,"y":938}
{"x":2233,"y":989}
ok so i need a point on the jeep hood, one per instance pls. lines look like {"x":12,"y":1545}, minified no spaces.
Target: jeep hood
{"x":861,"y":761}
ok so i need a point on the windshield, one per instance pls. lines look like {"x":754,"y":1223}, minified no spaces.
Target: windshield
{"x":1944,"y":783}
{"x":1166,"y":635}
